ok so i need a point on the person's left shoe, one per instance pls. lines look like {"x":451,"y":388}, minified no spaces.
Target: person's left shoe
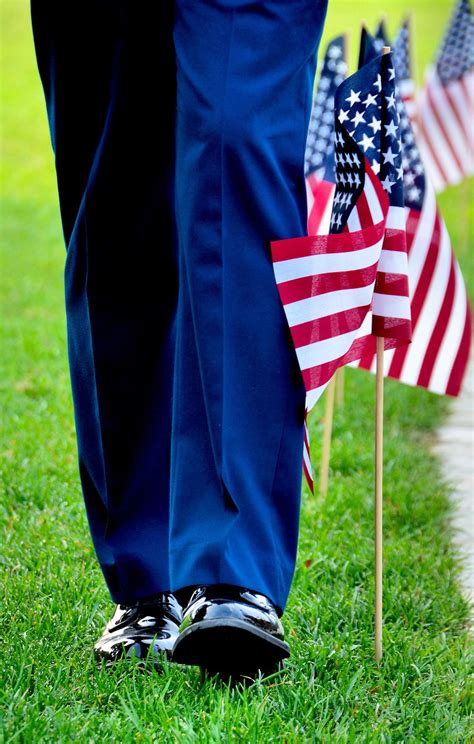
{"x":231,"y":631}
{"x":145,"y":630}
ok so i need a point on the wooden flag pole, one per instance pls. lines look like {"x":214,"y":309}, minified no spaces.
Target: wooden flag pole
{"x":379,"y":488}
{"x":328,"y":417}
{"x":340,"y":387}
{"x":378,"y":498}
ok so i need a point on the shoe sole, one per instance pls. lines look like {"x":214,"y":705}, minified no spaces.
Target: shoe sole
{"x":229,"y":646}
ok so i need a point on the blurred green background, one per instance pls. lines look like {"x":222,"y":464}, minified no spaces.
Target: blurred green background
{"x":54,"y":601}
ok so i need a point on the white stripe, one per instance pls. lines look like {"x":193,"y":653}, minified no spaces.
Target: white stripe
{"x":353,"y":222}
{"x":387,"y":360}
{"x":463,"y":108}
{"x":422,"y":239}
{"x":433,"y":173}
{"x":320,"y":306}
{"x":366,"y":326}
{"x":325,"y":223}
{"x":321,"y":352}
{"x":372,"y":201}
{"x":326,"y":263}
{"x":438,"y":143}
{"x":429,"y":313}
{"x":457,"y":139}
{"x":392,"y":306}
{"x":306,"y":458}
{"x":314,"y":395}
{"x":452,"y":337}
{"x":393,"y":262}
{"x":396,"y":218}
{"x":309,"y":197}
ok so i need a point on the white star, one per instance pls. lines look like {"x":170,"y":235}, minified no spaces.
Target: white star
{"x":370,"y":100}
{"x":354,"y":97}
{"x":334,"y":52}
{"x":400,"y":172}
{"x":376,"y":167}
{"x":387,"y":184}
{"x":390,"y":100}
{"x":342,"y":177}
{"x":389,"y":156}
{"x":375,"y":125}
{"x":358,"y":118}
{"x":342,"y":116}
{"x":409,"y":178}
{"x":378,"y":83}
{"x":349,"y":178}
{"x":366,"y":142}
{"x":418,"y":169}
{"x":391,"y":129}
{"x":355,"y":159}
{"x":392,"y":73}
{"x":356,"y":179}
{"x":414,"y":194}
{"x":338,"y":220}
{"x":348,"y":158}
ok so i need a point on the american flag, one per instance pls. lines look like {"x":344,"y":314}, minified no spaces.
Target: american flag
{"x":340,"y":289}
{"x":446,"y":104}
{"x":319,"y":157}
{"x":403,"y":69}
{"x":441,"y":315}
{"x":381,"y":37}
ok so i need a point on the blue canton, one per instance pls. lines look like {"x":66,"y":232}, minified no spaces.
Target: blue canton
{"x":401,"y":53}
{"x":456,"y":55}
{"x":367,"y":114}
{"x":319,"y":156}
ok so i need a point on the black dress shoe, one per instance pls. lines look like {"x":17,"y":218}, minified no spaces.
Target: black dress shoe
{"x":231,"y":631}
{"x":144,"y":630}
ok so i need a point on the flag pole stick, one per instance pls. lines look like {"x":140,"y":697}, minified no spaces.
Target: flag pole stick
{"x":379,"y":488}
{"x":328,"y":417}
{"x":340,"y":387}
{"x":378,"y":498}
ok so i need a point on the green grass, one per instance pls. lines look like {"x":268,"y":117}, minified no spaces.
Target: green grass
{"x":54,"y":599}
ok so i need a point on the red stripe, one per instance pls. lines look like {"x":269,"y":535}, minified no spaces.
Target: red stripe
{"x":328,"y":327}
{"x":322,"y":192}
{"x":306,"y":287}
{"x":420,"y":294}
{"x":313,"y":245}
{"x":318,"y":375}
{"x":432,"y":349}
{"x":458,"y":117}
{"x":397,"y":328}
{"x":459,"y":367}
{"x":447,"y":136}
{"x":395,"y":240}
{"x":392,"y":284}
{"x":363,"y":211}
{"x":431,"y":147}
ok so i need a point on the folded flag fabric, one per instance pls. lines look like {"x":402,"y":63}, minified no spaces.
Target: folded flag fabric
{"x":342,"y":289}
{"x":319,"y":157}
{"x":446,"y":104}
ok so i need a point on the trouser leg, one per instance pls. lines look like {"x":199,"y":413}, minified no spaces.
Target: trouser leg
{"x":244,"y":86}
{"x":108,"y":72}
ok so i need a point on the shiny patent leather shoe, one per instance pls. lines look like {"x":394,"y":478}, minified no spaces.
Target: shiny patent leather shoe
{"x":231,"y":631}
{"x":145,"y":630}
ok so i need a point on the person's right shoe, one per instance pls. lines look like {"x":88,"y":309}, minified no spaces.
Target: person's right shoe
{"x":231,"y":631}
{"x":146,"y":629}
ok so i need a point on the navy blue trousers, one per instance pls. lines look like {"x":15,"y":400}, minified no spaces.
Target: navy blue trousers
{"x":178,"y":129}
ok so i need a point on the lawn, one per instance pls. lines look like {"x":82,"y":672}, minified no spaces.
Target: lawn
{"x":54,"y":601}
